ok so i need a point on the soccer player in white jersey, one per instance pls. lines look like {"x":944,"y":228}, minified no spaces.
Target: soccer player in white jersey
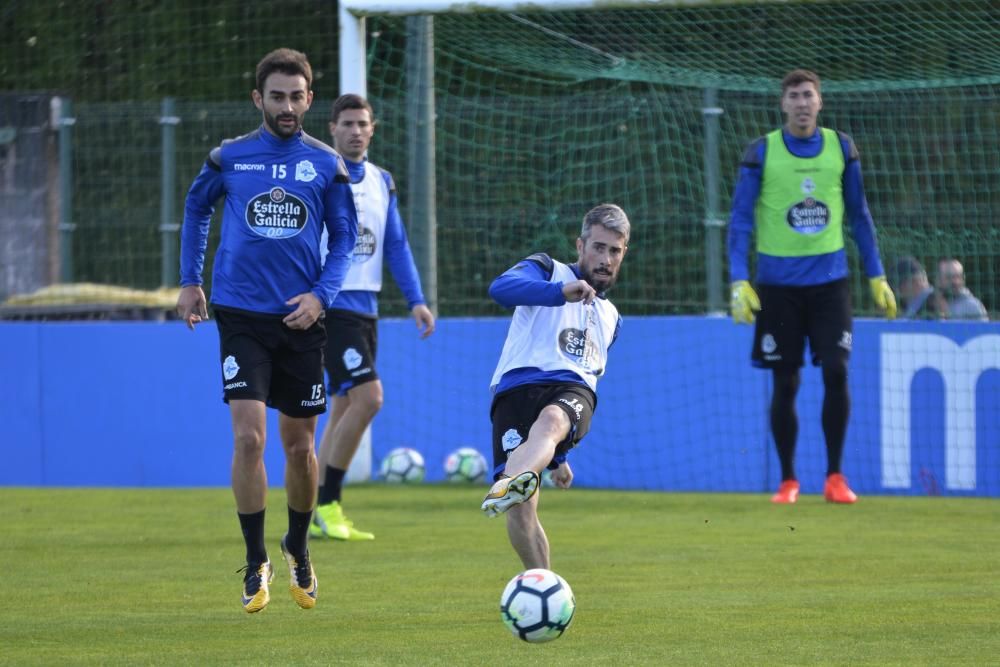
{"x":352,"y":319}
{"x":544,"y":387}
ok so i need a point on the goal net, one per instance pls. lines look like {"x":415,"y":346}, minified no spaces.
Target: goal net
{"x":542,"y":114}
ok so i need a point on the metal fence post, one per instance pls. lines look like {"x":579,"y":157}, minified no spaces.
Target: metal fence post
{"x":63,"y":111}
{"x":168,"y":221}
{"x":713,"y":221}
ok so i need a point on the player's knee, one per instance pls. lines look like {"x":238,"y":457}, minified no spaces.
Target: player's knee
{"x":835,"y":374}
{"x":553,"y":422}
{"x":368,"y":399}
{"x":299,"y":451}
{"x":786,"y":382}
{"x":373,"y":403}
{"x":249,"y":442}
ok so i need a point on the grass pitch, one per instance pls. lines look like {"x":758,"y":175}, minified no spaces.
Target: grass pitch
{"x":97,"y":576}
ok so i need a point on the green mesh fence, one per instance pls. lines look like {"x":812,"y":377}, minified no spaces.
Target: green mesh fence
{"x":553,"y":112}
{"x":540,"y":115}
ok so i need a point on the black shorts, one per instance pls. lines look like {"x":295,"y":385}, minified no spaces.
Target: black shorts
{"x":351,"y":343}
{"x":264,"y":360}
{"x":790,"y":315}
{"x":514,"y":412}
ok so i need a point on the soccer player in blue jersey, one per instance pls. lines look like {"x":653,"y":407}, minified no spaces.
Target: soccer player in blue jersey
{"x":281,"y":189}
{"x":545,"y":384}
{"x":797,"y":185}
{"x":352,"y":320}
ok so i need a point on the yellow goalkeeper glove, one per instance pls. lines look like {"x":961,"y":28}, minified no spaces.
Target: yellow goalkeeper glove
{"x":744,"y":302}
{"x":884,"y":298}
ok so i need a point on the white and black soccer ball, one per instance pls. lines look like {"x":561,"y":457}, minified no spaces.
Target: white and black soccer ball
{"x":403,"y":465}
{"x":465,"y":465}
{"x":537,"y":605}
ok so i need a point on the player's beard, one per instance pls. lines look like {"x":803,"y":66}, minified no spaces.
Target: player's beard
{"x":284,"y":132}
{"x":601,"y":282}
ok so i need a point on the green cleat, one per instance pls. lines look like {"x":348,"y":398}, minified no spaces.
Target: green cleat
{"x":329,"y":521}
{"x":303,"y":584}
{"x":256,"y":578}
{"x":510,"y":491}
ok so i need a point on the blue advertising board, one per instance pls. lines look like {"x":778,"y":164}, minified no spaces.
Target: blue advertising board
{"x":680,"y":409}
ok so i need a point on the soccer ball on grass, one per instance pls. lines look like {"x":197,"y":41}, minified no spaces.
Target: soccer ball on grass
{"x":402,"y":465}
{"x":537,"y":605}
{"x":465,"y":465}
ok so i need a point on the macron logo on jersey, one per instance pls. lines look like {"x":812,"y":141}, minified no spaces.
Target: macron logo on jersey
{"x":243,"y":166}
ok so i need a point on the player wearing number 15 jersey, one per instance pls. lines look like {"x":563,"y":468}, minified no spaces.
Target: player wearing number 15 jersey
{"x":269,"y":290}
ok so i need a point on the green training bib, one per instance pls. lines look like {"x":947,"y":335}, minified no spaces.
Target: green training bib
{"x":800,"y":210}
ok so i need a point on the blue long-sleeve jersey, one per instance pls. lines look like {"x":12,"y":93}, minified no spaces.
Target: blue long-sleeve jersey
{"x":810,"y":270}
{"x":528,"y":283}
{"x":397,"y":254}
{"x":278,"y":194}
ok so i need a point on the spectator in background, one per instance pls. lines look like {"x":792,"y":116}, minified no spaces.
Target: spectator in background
{"x":918,"y":299}
{"x":960,"y":302}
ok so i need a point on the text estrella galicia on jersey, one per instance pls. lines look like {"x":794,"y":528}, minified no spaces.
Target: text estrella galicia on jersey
{"x":511,"y":439}
{"x":809,"y":216}
{"x":352,"y":358}
{"x":365,"y":246}
{"x":305,"y":171}
{"x":276,"y":214}
{"x":576,"y":344}
{"x":230,"y":368}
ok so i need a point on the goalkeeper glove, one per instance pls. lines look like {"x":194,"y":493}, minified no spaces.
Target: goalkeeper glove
{"x":744,"y":302}
{"x":884,"y":298}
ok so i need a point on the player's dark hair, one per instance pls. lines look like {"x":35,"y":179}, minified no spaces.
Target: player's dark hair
{"x":797,"y":76}
{"x":286,"y":61}
{"x":609,"y":216}
{"x":350,"y":101}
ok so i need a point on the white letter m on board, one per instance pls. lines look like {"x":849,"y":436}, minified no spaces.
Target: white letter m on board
{"x":902,"y":356}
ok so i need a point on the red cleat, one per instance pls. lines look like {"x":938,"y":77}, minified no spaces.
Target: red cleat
{"x":837,"y":491}
{"x":787,"y":493}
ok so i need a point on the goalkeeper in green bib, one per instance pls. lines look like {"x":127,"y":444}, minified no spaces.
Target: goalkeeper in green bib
{"x":797,"y":186}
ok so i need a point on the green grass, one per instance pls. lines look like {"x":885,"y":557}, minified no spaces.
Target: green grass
{"x":96,"y":576}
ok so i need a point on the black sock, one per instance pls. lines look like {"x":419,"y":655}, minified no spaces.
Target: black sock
{"x":253,"y":535}
{"x":784,"y":420}
{"x":332,"y":485}
{"x":298,"y":532}
{"x":836,"y":410}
